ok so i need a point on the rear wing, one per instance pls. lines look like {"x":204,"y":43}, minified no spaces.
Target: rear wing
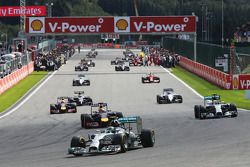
{"x":212,"y":97}
{"x":99,"y":104}
{"x":78,"y":92}
{"x":168,"y":90}
{"x":133,"y":119}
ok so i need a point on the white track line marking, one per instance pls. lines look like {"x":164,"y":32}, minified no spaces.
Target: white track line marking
{"x":28,"y":97}
{"x":184,"y":83}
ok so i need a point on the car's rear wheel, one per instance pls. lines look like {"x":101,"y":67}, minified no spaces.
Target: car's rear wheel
{"x":85,"y":119}
{"x":75,"y":111}
{"x":181,"y":99}
{"x":119,"y":114}
{"x":147,"y":137}
{"x":233,"y":109}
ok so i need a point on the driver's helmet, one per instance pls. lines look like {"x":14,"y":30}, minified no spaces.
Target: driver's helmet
{"x":62,"y":100}
{"x":216,"y":102}
{"x":111,"y":129}
{"x":209,"y":102}
{"x":101,"y":109}
{"x":115,"y":123}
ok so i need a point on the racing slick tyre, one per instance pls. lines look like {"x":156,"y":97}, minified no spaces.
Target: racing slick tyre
{"x":233,"y":107}
{"x":85,"y":118}
{"x":197,"y":111}
{"x":181,"y":99}
{"x":126,"y":69}
{"x":89,"y":101}
{"x":119,"y":115}
{"x":75,"y":111}
{"x":87,"y":83}
{"x":119,"y":139}
{"x":52,"y":107}
{"x":202,"y":110}
{"x":142,"y":80}
{"x":158,"y":80}
{"x":77,"y":141}
{"x":147,"y":137}
{"x":116,"y":69}
{"x":158,"y":99}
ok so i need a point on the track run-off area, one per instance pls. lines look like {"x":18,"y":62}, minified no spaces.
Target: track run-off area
{"x":30,"y":136}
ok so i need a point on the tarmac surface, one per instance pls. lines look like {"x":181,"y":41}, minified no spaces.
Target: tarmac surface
{"x":32,"y":137}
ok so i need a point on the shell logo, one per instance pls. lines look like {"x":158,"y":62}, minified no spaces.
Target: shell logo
{"x":235,"y":82}
{"x":122,"y":24}
{"x":37,"y":25}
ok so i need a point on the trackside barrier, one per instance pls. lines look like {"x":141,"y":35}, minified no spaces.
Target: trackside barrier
{"x":13,"y":78}
{"x":221,"y":79}
{"x":212,"y":75}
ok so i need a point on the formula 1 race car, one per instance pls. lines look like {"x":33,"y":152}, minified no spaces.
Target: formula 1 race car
{"x":118,"y":138}
{"x":64,"y":105}
{"x":87,"y":62}
{"x":117,"y":61}
{"x":92,"y":53}
{"x":81,"y":67}
{"x":100,"y":116}
{"x":168,"y":96}
{"x":81,"y":100}
{"x":122,"y":67}
{"x":81,"y":80}
{"x":150,"y":78}
{"x":214,"y":108}
{"x":135,"y":62}
{"x":128,"y":55}
{"x":90,"y":63}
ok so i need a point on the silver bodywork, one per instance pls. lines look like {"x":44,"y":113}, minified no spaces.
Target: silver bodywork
{"x":103,"y":137}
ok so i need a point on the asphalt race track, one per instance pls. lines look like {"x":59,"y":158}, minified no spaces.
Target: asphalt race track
{"x":32,"y":137}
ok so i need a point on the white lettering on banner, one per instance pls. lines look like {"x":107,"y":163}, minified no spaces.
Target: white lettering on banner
{"x":53,"y":27}
{"x":3,"y":12}
{"x":138,"y":27}
{"x":160,"y":27}
{"x":74,"y":28}
{"x":245,"y":84}
{"x":10,"y":11}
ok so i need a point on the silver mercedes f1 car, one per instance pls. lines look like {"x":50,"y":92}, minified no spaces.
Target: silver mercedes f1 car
{"x":214,"y":108}
{"x":118,"y":138}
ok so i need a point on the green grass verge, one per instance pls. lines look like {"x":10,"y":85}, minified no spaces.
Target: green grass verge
{"x":205,"y":88}
{"x":12,"y":95}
